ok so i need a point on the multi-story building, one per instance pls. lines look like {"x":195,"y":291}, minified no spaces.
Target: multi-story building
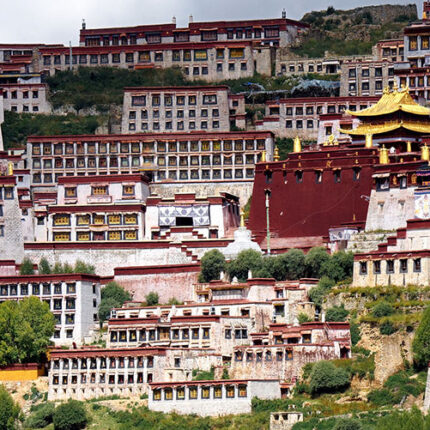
{"x":25,"y":97}
{"x":390,"y":50}
{"x":301,"y":116}
{"x":72,"y":298}
{"x":168,"y":109}
{"x":366,"y":78}
{"x":102,"y":208}
{"x":182,"y":157}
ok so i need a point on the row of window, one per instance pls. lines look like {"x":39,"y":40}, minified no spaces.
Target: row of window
{"x":25,"y":94}
{"x":25,"y":108}
{"x":390,"y":266}
{"x":127,"y":191}
{"x":156,"y":99}
{"x":180,"y":125}
{"x":111,"y":379}
{"x":352,"y":73}
{"x":205,"y":392}
{"x":249,"y":356}
{"x":142,"y":56}
{"x":113,"y":219}
{"x":365,"y":86}
{"x":205,"y":174}
{"x":91,"y":162}
{"x":300,"y":68}
{"x":145,"y":147}
{"x":299,"y":175}
{"x":38,"y":289}
{"x":413,"y":43}
{"x":162,"y":334}
{"x":85,"y":236}
{"x":182,"y":36}
{"x":206,"y":160}
{"x":103,"y":363}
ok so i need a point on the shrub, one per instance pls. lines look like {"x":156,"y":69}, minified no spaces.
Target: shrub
{"x":212,"y":263}
{"x":151,"y":298}
{"x":9,"y":411}
{"x":387,"y":328}
{"x":381,"y":397}
{"x":347,"y":424}
{"x":41,"y":416}
{"x":245,"y":261}
{"x":336,"y":313}
{"x":318,"y":293}
{"x":26,"y":267}
{"x":294,"y":261}
{"x":112,"y":296}
{"x":70,"y":416}
{"x":382,"y":309}
{"x":327,"y":378}
{"x":354,"y":329}
{"x":314,"y":260}
{"x":421,"y":342}
{"x":303,"y":318}
{"x":44,"y":267}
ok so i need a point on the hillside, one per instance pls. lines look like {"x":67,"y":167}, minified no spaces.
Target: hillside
{"x":349,"y":32}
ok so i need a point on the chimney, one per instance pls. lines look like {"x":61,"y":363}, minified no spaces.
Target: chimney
{"x":174,"y":20}
{"x":284,"y":13}
{"x":191,"y":20}
{"x":84,"y":26}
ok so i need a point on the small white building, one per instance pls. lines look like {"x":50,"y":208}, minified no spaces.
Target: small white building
{"x":211,"y":398}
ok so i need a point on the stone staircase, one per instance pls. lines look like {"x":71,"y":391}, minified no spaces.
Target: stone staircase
{"x":367,"y":241}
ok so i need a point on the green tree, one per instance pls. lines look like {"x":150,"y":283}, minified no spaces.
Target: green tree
{"x":317,"y":294}
{"x":70,"y":416}
{"x":354,"y":329}
{"x":112,"y":296}
{"x":9,"y":411}
{"x":347,"y":424}
{"x":245,"y":261}
{"x":314,"y":261}
{"x":336,"y":313}
{"x":294,"y":261}
{"x":41,"y":416}
{"x":325,"y":377}
{"x":339,"y":266}
{"x":382,"y":309}
{"x":25,"y":330}
{"x":81,"y":267}
{"x":44,"y":267}
{"x":405,"y":420}
{"x":26,"y":267}
{"x":152,"y":299}
{"x":211,"y":264}
{"x":421,"y":342}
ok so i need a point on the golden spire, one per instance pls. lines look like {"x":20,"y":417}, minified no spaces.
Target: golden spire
{"x":297,"y":145}
{"x":10,"y":168}
{"x":276,"y":155}
{"x":408,"y":146}
{"x":242,"y":218}
{"x":263,"y":156}
{"x":395,"y":86}
{"x":425,"y":155}
{"x":369,"y":140}
{"x":383,"y":155}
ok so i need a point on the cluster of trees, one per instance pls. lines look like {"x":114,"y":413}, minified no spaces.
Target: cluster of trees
{"x":44,"y":268}
{"x":292,"y":265}
{"x":25,"y":329}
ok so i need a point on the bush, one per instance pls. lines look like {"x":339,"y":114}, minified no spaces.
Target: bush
{"x":339,"y":266}
{"x":387,"y":328}
{"x":318,"y":293}
{"x":382,"y":397}
{"x":112,"y":296}
{"x":212,"y":264}
{"x":382,"y":309}
{"x":151,"y":299}
{"x":303,"y":318}
{"x":44,"y":267}
{"x":245,"y":261}
{"x":314,"y":260}
{"x":41,"y":417}
{"x":421,"y":342}
{"x":327,"y":378}
{"x":294,"y":261}
{"x":70,"y":416}
{"x":354,"y":329}
{"x":336,"y":313}
{"x":347,"y":424}
{"x":26,"y":267}
{"x":9,"y":411}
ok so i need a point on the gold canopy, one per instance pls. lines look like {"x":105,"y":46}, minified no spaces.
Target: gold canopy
{"x":364,"y":129}
{"x":390,"y":102}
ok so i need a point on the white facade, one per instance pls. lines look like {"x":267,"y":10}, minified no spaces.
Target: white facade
{"x":26,"y":98}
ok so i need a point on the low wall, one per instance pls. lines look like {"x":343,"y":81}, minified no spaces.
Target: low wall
{"x":20,"y":372}
{"x":171,"y":281}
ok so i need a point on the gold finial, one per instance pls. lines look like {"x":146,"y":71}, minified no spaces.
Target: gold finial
{"x":425,"y":154}
{"x":383,"y":155}
{"x":408,"y":146}
{"x":297,"y":145}
{"x":276,"y":155}
{"x":395,"y":86}
{"x":369,"y":140}
{"x":242,"y":218}
{"x":386,"y":90}
{"x":404,"y":88}
{"x":10,"y":168}
{"x":263,"y":156}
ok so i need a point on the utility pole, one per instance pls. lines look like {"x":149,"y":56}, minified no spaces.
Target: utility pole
{"x":70,"y":56}
{"x":268,"y":193}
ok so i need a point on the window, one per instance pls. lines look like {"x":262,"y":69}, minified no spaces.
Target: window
{"x":205,"y":392}
{"x":200,"y":54}
{"x":99,"y":190}
{"x":404,"y":265}
{"x":390,"y":266}
{"x":128,"y":190}
{"x":61,"y":237}
{"x":413,"y":43}
{"x":192,"y":391}
{"x":228,"y":333}
{"x":383,"y":184}
{"x":299,"y":176}
{"x":237,"y":52}
{"x":352,"y":73}
{"x":229,"y":391}
{"x":417,"y":265}
{"x":376,"y":267}
{"x":209,"y":99}
{"x":243,"y":390}
{"x":231,"y":67}
{"x":363,"y":267}
{"x":336,"y":175}
{"x":156,"y":394}
{"x":180,"y":393}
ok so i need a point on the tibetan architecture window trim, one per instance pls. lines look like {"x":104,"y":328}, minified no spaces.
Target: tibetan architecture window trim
{"x":363,"y":267}
{"x":377,"y":267}
{"x":217,"y":392}
{"x":61,"y":220}
{"x":390,"y":266}
{"x":417,"y":265}
{"x":404,"y":265}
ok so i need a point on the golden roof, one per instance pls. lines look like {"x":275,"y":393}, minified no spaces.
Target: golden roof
{"x":393,"y":101}
{"x":364,"y":129}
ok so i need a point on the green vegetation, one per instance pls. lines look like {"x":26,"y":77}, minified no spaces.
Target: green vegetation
{"x":26,"y":267}
{"x":382,"y":309}
{"x":421,"y":342}
{"x":41,"y":416}
{"x":336,"y":313}
{"x":112,"y":296}
{"x":25,"y":329}
{"x":318,"y":293}
{"x":212,"y":264}
{"x":10,"y":412}
{"x":151,"y":299}
{"x":347,"y":424}
{"x":203,"y":375}
{"x":18,"y":126}
{"x":70,"y":416}
{"x":302,"y":318}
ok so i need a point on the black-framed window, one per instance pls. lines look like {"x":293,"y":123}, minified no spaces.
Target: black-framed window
{"x":363,"y":267}
{"x":390,"y":266}
{"x":377,"y":267}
